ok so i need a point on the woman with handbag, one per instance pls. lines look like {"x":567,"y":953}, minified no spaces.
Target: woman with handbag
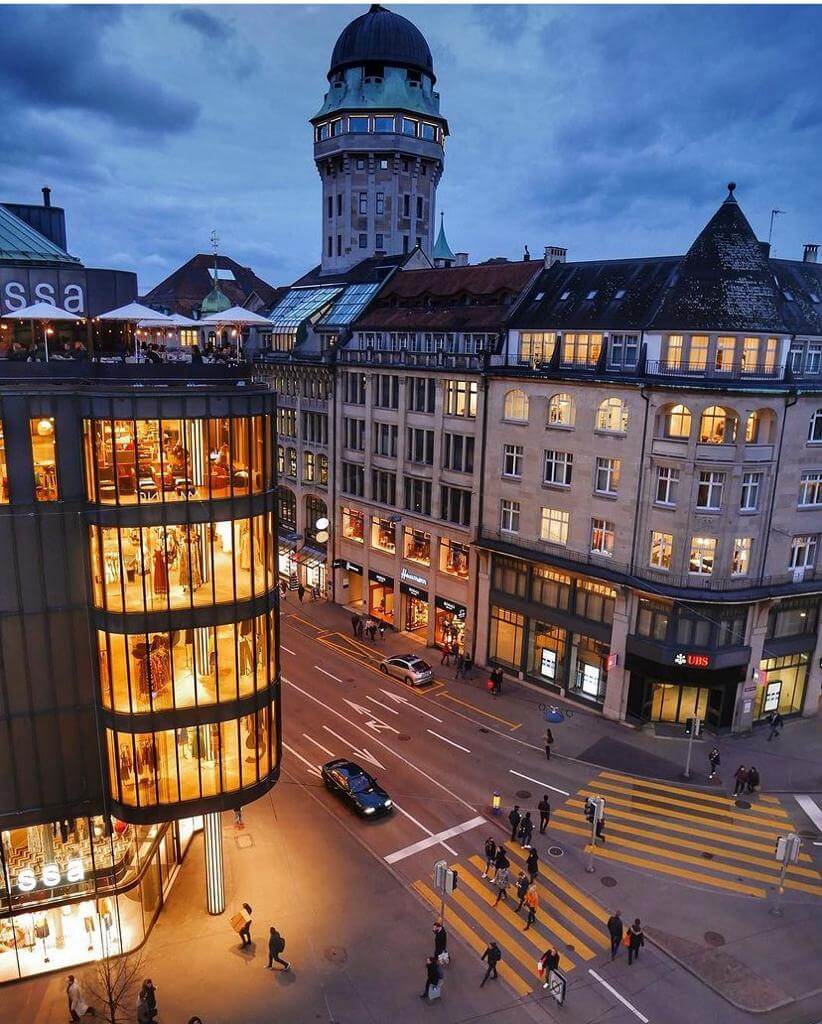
{"x":634,"y":939}
{"x":549,"y":961}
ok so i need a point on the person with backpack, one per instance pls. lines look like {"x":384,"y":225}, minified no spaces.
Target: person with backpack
{"x":493,"y":954}
{"x":526,"y":831}
{"x":523,"y":883}
{"x":714,"y":760}
{"x":514,"y":818}
{"x":276,"y":946}
{"x":544,"y":808}
{"x":490,"y":855}
{"x":636,"y":939}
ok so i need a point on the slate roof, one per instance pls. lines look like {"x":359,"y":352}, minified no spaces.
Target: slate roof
{"x":183,"y":290}
{"x":367,"y":271}
{"x":382,"y":37}
{"x":21,"y":243}
{"x":803,"y":283}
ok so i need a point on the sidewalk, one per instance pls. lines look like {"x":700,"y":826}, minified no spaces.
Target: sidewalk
{"x":792,"y":763}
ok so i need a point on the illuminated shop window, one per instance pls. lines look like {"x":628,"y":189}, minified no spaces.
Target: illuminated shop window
{"x":44,"y":457}
{"x":4,"y":478}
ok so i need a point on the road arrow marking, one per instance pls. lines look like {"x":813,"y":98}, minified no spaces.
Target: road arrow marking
{"x":310,"y":767}
{"x":362,"y":752}
{"x":330,"y":676}
{"x":379,"y":704}
{"x":409,"y":704}
{"x":374,"y":724}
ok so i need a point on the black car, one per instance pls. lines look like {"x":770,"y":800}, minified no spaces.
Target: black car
{"x":356,"y":787}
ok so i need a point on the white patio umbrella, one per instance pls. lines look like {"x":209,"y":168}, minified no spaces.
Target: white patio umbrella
{"x":45,"y":313}
{"x":237,"y":317}
{"x":133,"y":313}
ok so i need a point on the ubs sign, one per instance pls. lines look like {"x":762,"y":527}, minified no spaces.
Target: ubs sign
{"x":23,"y":286}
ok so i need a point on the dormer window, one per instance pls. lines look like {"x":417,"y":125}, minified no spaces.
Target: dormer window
{"x":321,"y":133}
{"x":373,"y":73}
{"x":428,"y":132}
{"x":409,"y":126}
{"x":336,"y":127}
{"x":414,"y":78}
{"x":384,"y":123}
{"x":358,"y":124}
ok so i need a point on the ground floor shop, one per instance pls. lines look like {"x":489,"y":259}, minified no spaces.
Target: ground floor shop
{"x":781,"y":684}
{"x":75,"y":890}
{"x":692,"y":686}
{"x":306,"y":567}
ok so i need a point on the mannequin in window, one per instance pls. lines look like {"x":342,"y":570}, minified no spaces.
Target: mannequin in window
{"x":190,"y":572}
{"x":126,"y":764}
{"x":160,"y":575}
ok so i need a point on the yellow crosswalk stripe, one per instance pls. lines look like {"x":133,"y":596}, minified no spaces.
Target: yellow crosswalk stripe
{"x":493,"y":930}
{"x":686,"y":858}
{"x":668,"y":802}
{"x":710,"y":835}
{"x":671,"y":869}
{"x":658,"y":835}
{"x":532,"y":935}
{"x":731,"y":823}
{"x":558,"y":905}
{"x":454,"y":922}
{"x":711,"y":798}
{"x":580,"y":897}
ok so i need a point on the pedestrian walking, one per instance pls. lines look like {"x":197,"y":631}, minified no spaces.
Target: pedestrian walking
{"x":382,"y":632}
{"x":515,"y":818}
{"x":432,"y":977}
{"x":636,"y":939}
{"x":599,"y":831}
{"x":301,"y":592}
{"x":315,"y":592}
{"x":532,"y":903}
{"x":77,"y":1005}
{"x":355,"y":624}
{"x":276,"y":946}
{"x":446,"y":654}
{"x":460,"y":673}
{"x":148,"y":993}
{"x":753,"y":780}
{"x":526,"y":831}
{"x":740,"y":780}
{"x":372,"y":630}
{"x":497,"y":682}
{"x":455,"y":651}
{"x":532,"y":864}
{"x":468,"y":666}
{"x":523,"y":883}
{"x":441,"y":953}
{"x":544,"y":808}
{"x":245,"y":931}
{"x":238,"y":816}
{"x":502,"y":880}
{"x":501,"y":859}
{"x":775,"y":722}
{"x":549,"y":961}
{"x":143,"y":1012}
{"x":549,"y":740}
{"x":714,"y":760}
{"x":615,"y":930}
{"x":490,"y":855}
{"x":284,"y":589}
{"x":493,"y":955}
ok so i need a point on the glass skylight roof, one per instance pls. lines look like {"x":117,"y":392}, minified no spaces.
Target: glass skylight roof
{"x":350,"y":304}
{"x":301,"y":303}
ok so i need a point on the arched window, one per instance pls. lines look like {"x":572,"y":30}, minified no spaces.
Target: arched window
{"x":612,"y":416}
{"x":286,"y":509}
{"x":677,"y":422}
{"x":561,"y":411}
{"x":759,"y":427}
{"x":718,"y":426}
{"x":316,"y":520}
{"x":516,"y":406}
{"x":815,"y":428}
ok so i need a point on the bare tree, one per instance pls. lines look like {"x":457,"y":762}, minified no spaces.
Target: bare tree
{"x":113,"y":985}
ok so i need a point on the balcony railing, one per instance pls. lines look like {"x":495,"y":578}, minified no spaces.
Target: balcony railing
{"x":742,"y":370}
{"x":412,"y":360}
{"x":114,"y":373}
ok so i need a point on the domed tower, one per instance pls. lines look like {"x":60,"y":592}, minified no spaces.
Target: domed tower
{"x":378,"y":142}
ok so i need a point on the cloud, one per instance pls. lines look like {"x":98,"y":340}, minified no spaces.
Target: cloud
{"x":206,"y":24}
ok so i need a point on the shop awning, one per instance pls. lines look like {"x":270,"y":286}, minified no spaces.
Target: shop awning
{"x":288,"y":541}
{"x":311,"y":557}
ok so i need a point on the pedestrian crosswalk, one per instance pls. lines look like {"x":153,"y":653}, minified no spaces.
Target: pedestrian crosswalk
{"x":698,"y":837}
{"x":567,"y":918}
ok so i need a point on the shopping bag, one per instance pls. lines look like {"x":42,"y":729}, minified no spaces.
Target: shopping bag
{"x":237,"y":922}
{"x":489,"y":685}
{"x":444,"y":958}
{"x":435,"y":992}
{"x":626,"y":940}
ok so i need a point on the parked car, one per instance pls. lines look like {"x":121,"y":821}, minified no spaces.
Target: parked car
{"x":354,"y":785}
{"x":408,"y":667}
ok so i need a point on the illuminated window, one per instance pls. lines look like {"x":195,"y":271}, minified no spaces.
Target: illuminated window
{"x":286,"y":510}
{"x":515,"y":407}
{"x":309,"y":467}
{"x":662,"y":547}
{"x":741,"y":558}
{"x":698,"y":355}
{"x":725,"y":349}
{"x":383,"y":536}
{"x":701,"y":559}
{"x":417,"y":546}
{"x":606,"y":476}
{"x":717,"y":426}
{"x":675,"y":346}
{"x":581,"y":349}
{"x":44,"y":456}
{"x":810,"y":489}
{"x":353,"y":525}
{"x":461,"y":398}
{"x":291,"y":463}
{"x":536,"y":347}
{"x":678,"y":422}
{"x":602,"y":537}
{"x":453,"y":558}
{"x":612,"y":416}
{"x":561,"y":410}
{"x":554,"y":525}
{"x":4,"y":478}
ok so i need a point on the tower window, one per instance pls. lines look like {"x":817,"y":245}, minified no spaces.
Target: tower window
{"x":380,"y":204}
{"x":429,"y":132}
{"x":406,"y":205}
{"x":423,"y":169}
{"x":358,"y":124}
{"x":360,"y":163}
{"x":363,"y":202}
{"x":409,"y":125}
{"x":330,"y":207}
{"x":363,"y":240}
{"x":383,"y":163}
{"x":419,"y":241}
{"x":419,"y":207}
{"x":373,"y":72}
{"x":405,"y":243}
{"x":321,"y":133}
{"x":330,"y":246}
{"x":405,"y":165}
{"x":339,"y":245}
{"x":383,"y":123}
{"x":339,"y":204}
{"x":379,"y":241}
{"x":336,"y":127}
{"x":414,"y":78}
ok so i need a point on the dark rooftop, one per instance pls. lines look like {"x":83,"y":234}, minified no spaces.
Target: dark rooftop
{"x":382,"y":37}
{"x":185,"y":288}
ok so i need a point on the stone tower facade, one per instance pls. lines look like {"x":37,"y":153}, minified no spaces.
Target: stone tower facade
{"x":378,"y":143}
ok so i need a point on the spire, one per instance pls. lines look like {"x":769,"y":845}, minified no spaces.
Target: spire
{"x":442,"y":255}
{"x":216,"y":301}
{"x":731,"y":198}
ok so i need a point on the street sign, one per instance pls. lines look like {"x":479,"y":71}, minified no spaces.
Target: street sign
{"x":557,"y":986}
{"x":787,"y":848}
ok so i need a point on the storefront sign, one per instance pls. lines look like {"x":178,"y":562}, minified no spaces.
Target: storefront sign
{"x":692,"y":660}
{"x":378,"y":577}
{"x":407,"y":576}
{"x":421,"y":595}
{"x":343,"y":563}
{"x":548,"y":663}
{"x":50,"y":876}
{"x":457,"y":610}
{"x":772,"y":696}
{"x":21,"y":287}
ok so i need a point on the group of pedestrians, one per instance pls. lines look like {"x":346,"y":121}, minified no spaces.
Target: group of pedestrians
{"x":78,"y":1007}
{"x":366,"y":628}
{"x":633,"y":938}
{"x":276,"y":942}
{"x":746,"y":780}
{"x":494,"y":685}
{"x":434,"y":964}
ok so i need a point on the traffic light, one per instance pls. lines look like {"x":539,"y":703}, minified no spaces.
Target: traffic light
{"x":451,"y":880}
{"x":594,"y":809}
{"x":445,"y":879}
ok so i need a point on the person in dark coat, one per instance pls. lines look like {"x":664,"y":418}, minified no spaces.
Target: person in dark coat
{"x":276,"y":945}
{"x":775,"y":722}
{"x":549,"y":961}
{"x":440,"y":940}
{"x":615,"y":931}
{"x":245,"y":931}
{"x":714,"y":761}
{"x":196,"y":354}
{"x":753,"y":779}
{"x":148,"y":994}
{"x":501,"y":859}
{"x":532,"y":864}
{"x":636,"y":939}
{"x":493,"y":954}
{"x":432,"y":976}
{"x":490,"y":855}
{"x":740,"y":780}
{"x":549,"y":739}
{"x":526,"y":831}
{"x":301,"y":593}
{"x":515,"y":818}
{"x":523,"y":882}
{"x":544,"y":808}
{"x":355,"y":624}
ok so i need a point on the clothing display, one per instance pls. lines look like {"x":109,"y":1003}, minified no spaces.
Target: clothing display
{"x":160,"y":576}
{"x":126,"y":764}
{"x":246,"y":657}
{"x":190,"y":566}
{"x":245,"y":545}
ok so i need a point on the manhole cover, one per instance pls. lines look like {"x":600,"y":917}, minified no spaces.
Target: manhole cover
{"x":524,"y":794}
{"x":403,"y":736}
{"x":745,"y":804}
{"x":608,"y":882}
{"x":335,"y":954}
{"x":554,"y":851}
{"x":244,"y":842}
{"x":714,"y":939}
{"x":483,"y":729}
{"x":707,"y":855}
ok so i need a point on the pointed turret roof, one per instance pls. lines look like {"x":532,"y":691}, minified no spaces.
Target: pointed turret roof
{"x":442,"y":250}
{"x":724,"y":282}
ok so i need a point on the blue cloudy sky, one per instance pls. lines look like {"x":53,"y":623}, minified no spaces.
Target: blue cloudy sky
{"x":610,"y":130}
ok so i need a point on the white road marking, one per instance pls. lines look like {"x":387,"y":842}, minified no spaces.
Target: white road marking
{"x":811,"y":808}
{"x":363,"y":753}
{"x":423,"y":844}
{"x":446,"y":740}
{"x":427,"y":831}
{"x":330,"y":676}
{"x":312,"y":768}
{"x":409,"y":704}
{"x":395,"y":753}
{"x":537,"y":782}
{"x":379,"y":704}
{"x":286,"y":649}
{"x":325,"y":750}
{"x":616,"y":995}
{"x":374,"y":724}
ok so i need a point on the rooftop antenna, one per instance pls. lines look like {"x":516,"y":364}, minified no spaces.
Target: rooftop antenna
{"x":215,"y":245}
{"x":774,"y":213}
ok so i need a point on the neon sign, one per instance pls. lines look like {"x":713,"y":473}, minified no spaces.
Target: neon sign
{"x":692,"y":660}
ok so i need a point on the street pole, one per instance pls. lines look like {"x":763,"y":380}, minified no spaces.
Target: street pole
{"x":590,"y":865}
{"x":776,"y":910}
{"x":694,"y":729}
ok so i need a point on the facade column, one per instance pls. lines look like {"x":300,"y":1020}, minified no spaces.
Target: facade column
{"x":746,"y":691}
{"x":616,"y":693}
{"x":215,"y":874}
{"x":813,"y":694}
{"x":480,"y":624}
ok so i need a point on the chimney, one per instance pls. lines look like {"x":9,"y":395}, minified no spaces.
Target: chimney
{"x":46,"y":196}
{"x":526,"y":256}
{"x":811,"y":252}
{"x":553,"y":254}
{"x":461,"y":259}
